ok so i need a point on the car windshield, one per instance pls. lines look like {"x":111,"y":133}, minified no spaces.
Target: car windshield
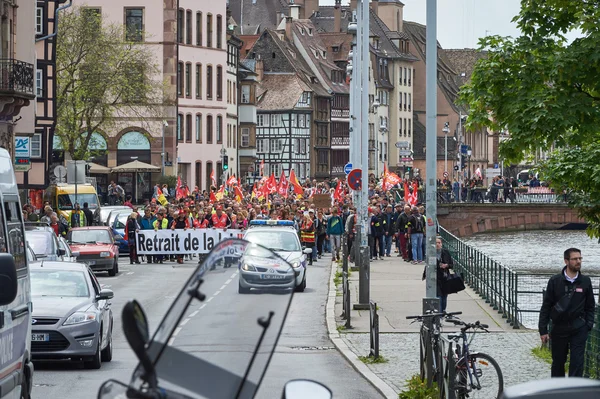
{"x":275,"y":240}
{"x":41,"y":243}
{"x":89,"y":236}
{"x":59,"y":283}
{"x":66,"y":201}
{"x":105,"y":212}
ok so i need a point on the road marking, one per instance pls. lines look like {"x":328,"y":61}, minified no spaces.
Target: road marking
{"x":209,"y":299}
{"x":227,"y":282}
{"x":234,"y":274}
{"x":201,"y":307}
{"x":176,"y":331}
{"x":222,"y":287}
{"x":183,"y":323}
{"x":130,"y":273}
{"x":217,"y":293}
{"x":193,"y":314}
{"x":170,"y":343}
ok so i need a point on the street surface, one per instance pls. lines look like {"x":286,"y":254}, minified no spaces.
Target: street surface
{"x":303,"y":351}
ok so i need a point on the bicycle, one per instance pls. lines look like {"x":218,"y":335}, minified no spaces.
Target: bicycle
{"x":472,"y":366}
{"x":430,"y":354}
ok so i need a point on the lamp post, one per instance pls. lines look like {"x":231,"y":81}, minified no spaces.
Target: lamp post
{"x":135,"y":181}
{"x":446,"y":130}
{"x":162,"y":154}
{"x":469,"y":152}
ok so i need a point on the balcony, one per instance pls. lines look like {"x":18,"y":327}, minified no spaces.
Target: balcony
{"x":340,"y":140}
{"x":16,"y":86}
{"x":337,"y":170}
{"x":340,"y":113}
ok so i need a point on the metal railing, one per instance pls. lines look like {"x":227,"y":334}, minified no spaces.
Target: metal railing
{"x":591,"y":364}
{"x":16,"y":76}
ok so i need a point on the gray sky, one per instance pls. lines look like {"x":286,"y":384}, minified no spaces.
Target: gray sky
{"x":462,"y":22}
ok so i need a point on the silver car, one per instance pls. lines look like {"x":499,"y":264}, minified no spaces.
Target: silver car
{"x":72,"y":317}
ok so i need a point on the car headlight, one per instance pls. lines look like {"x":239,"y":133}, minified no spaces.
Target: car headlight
{"x":105,"y":254}
{"x":296,"y":264}
{"x":248,"y":268}
{"x":80,"y":317}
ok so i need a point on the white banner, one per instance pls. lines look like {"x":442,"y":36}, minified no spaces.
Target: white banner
{"x":178,"y":242}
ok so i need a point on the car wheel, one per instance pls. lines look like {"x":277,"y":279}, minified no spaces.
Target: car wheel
{"x":107,"y":352}
{"x":302,"y":285}
{"x":243,"y":290}
{"x":117,"y":264}
{"x":113,"y":272}
{"x":96,"y":361}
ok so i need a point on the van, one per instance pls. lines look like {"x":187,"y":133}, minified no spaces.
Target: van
{"x":16,"y":368}
{"x":62,"y":198}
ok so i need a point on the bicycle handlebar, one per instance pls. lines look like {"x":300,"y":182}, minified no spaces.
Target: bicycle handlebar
{"x":434,"y":315}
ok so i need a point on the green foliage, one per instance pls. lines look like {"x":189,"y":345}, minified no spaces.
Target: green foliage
{"x":417,"y":389}
{"x":372,"y":360}
{"x":546,"y":93}
{"x":101,"y":78}
{"x":170,"y":181}
{"x":544,"y":353}
{"x":337,"y":280}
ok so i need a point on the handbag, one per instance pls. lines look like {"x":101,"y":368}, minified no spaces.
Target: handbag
{"x":453,"y":283}
{"x":560,"y":308}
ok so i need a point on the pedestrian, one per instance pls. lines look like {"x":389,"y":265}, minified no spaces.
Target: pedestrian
{"x":180,"y":223}
{"x":77,"y":217}
{"x":131,"y":227}
{"x":401,"y":227}
{"x":89,"y":216}
{"x":415,"y":234}
{"x":388,"y":229}
{"x":335,"y":228}
{"x":444,"y":264}
{"x":161,"y":223}
{"x":59,"y":229}
{"x":569,"y":304}
{"x":307,"y":235}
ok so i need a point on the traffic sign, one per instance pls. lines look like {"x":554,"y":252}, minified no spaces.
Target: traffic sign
{"x":348,"y":168}
{"x":405,"y":153}
{"x":402,"y":144}
{"x":168,"y":163}
{"x":355,"y":179}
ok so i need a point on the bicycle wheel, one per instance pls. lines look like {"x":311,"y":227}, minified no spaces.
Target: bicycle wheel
{"x":486,"y":381}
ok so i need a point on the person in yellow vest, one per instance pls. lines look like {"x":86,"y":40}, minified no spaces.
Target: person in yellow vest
{"x":307,"y":235}
{"x":161,"y":223}
{"x":77,"y":217}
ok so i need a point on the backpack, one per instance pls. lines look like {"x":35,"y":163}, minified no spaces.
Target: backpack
{"x":419,"y":225}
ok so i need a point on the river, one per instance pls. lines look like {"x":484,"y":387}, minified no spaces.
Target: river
{"x":538,"y":250}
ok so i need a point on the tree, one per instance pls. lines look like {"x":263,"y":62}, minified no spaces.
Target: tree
{"x":545,"y":91}
{"x":101,"y":78}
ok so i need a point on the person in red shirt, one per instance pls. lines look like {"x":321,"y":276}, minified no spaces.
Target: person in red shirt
{"x":220,"y":220}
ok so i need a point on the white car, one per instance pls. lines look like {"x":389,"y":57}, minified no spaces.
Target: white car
{"x":281,"y":237}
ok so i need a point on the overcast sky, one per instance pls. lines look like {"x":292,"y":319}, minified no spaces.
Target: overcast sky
{"x":462,"y":22}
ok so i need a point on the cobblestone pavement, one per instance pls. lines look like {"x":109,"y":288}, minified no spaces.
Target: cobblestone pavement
{"x":512,"y":351}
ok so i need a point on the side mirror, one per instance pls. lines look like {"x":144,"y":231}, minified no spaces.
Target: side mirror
{"x":105,"y":294}
{"x":135,"y":327}
{"x":75,"y":254}
{"x":300,"y":389}
{"x":113,"y":389}
{"x":307,"y":251}
{"x":8,"y":279}
{"x":118,"y":237}
{"x":61,"y":252}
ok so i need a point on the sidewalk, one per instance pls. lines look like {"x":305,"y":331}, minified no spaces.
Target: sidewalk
{"x":397,"y":289}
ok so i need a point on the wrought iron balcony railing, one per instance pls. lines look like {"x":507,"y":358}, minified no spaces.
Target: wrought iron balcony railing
{"x":17,"y":77}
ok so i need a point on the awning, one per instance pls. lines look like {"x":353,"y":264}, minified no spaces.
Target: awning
{"x":95,"y":168}
{"x":135,"y":166}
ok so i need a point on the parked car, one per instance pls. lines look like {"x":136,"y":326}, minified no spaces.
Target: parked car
{"x":114,"y":213}
{"x":43,"y":241}
{"x":118,"y":228}
{"x":69,"y":255}
{"x":72,"y":317}
{"x":97,"y":247}
{"x":105,"y":211}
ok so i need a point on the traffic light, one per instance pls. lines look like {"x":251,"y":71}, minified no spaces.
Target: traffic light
{"x":225,"y":162}
{"x":462,"y":162}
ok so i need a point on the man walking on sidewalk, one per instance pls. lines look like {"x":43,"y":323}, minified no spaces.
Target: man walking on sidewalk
{"x":569,"y":303}
{"x":388,"y":229}
{"x":416,"y":227}
{"x":401,"y":228}
{"x":335,"y":228}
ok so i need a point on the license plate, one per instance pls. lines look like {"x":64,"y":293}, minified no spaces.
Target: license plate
{"x":272,"y":277}
{"x":40,"y":337}
{"x":91,"y":262}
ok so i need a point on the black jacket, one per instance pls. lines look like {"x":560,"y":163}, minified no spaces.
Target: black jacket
{"x":580,"y":311}
{"x":401,"y":223}
{"x":444,"y":258}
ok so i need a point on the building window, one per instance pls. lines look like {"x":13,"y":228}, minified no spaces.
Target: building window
{"x":276,"y":146}
{"x":180,"y":79}
{"x":198,"y":80}
{"x":219,"y":82}
{"x":198,"y":128}
{"x":188,"y":27}
{"x":209,"y":82}
{"x":198,"y":29}
{"x":188,"y":80}
{"x":209,"y":129}
{"x":179,"y":127}
{"x":180,"y":28}
{"x":409,"y":101}
{"x":36,"y":145}
{"x":275,"y":120}
{"x":245,"y":137}
{"x":219,"y":31}
{"x":134,"y":24}
{"x":245,"y":94}
{"x":323,"y":157}
{"x":209,"y":30}
{"x":39,"y":79}
{"x":188,"y":128}
{"x":219,"y":129}
{"x":199,"y":175}
{"x":262,"y":146}
{"x":209,"y":169}
{"x":39,"y":20}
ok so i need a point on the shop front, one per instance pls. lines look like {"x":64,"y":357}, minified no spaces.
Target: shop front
{"x":133,"y":146}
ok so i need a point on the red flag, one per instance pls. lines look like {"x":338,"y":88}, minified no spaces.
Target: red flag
{"x":406,"y":192}
{"x":213,"y":180}
{"x":213,"y":198}
{"x":238,"y":193}
{"x":415,"y":194}
{"x":265,"y":189}
{"x":232,"y":181}
{"x":385,"y":176}
{"x":284,"y":186}
{"x":294,"y":181}
{"x":272,"y":183}
{"x":179,"y":192}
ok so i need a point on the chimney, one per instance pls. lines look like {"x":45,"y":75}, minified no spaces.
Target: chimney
{"x":260,"y":69}
{"x":337,"y":16}
{"x":310,"y":7}
{"x":288,"y":28}
{"x":375,"y":6}
{"x":294,"y":11}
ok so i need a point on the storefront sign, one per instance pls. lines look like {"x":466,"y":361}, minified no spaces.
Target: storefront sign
{"x":133,"y":141}
{"x":178,"y":242}
{"x":22,"y":147}
{"x":97,"y":142}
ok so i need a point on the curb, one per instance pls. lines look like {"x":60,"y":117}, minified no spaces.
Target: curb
{"x":345,"y":350}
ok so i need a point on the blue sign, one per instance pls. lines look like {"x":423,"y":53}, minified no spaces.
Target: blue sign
{"x":496,"y":166}
{"x":22,"y":147}
{"x":464,"y":148}
{"x":355,"y":179}
{"x":348,"y":168}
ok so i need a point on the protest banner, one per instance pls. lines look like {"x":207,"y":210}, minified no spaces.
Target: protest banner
{"x":179,"y":241}
{"x":322,"y":200}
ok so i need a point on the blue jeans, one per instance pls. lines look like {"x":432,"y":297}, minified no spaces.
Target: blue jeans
{"x":388,"y":244}
{"x":443,"y":302}
{"x":417,"y":246}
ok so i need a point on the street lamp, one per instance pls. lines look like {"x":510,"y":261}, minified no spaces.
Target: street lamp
{"x":162,"y":154}
{"x":135,"y":181}
{"x":469,"y":152}
{"x":446,"y":130}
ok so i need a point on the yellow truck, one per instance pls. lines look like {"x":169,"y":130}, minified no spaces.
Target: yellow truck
{"x":62,"y":198}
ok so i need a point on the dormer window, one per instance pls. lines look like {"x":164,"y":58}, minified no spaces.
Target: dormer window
{"x":310,"y":33}
{"x":324,"y":54}
{"x":302,"y":31}
{"x":335,"y":49}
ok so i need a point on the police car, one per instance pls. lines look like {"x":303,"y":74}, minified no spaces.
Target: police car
{"x":281,"y":237}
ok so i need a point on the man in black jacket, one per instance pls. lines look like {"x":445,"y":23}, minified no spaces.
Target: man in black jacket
{"x":569,"y":303}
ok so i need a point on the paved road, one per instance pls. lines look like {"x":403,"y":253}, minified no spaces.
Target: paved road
{"x":223,"y":330}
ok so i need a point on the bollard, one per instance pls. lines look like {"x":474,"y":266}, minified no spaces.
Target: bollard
{"x":345,"y":252}
{"x":374,"y":330}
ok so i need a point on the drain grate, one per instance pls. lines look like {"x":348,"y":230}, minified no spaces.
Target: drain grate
{"x":312,"y":348}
